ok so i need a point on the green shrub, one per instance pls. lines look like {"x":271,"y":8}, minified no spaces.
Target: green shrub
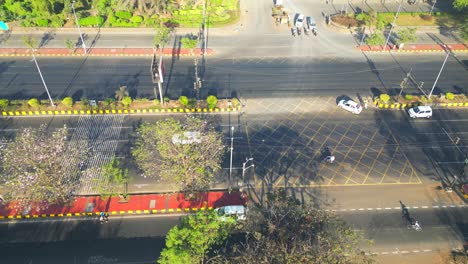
{"x":91,"y":21}
{"x":166,"y":99}
{"x":84,"y":102}
{"x":449,"y":96}
{"x":67,"y":101}
{"x":375,"y":39}
{"x":192,"y":103}
{"x":408,"y":97}
{"x":108,"y":102}
{"x":211,"y":101}
{"x":42,"y":22}
{"x":156,"y":102}
{"x":56,"y":21}
{"x":123,"y":14}
{"x":126,"y":101}
{"x":4,"y":103}
{"x":384,"y":98}
{"x":33,"y":102}
{"x":136,"y":19}
{"x":111,"y":19}
{"x":235,"y":102}
{"x":183,"y":100}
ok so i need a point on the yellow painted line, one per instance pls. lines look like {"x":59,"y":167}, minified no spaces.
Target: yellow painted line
{"x":339,"y":142}
{"x":360,"y":158}
{"x":402,"y":171}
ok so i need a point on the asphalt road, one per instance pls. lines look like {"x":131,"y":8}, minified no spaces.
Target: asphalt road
{"x":272,"y":77}
{"x":139,"y":239}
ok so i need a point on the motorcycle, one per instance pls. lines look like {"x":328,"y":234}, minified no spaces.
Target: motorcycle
{"x":293,"y":32}
{"x":298,"y":31}
{"x":314,"y":31}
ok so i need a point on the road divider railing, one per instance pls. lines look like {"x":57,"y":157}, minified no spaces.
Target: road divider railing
{"x":119,"y":111}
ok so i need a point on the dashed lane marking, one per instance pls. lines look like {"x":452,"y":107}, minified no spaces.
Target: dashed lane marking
{"x":399,"y":208}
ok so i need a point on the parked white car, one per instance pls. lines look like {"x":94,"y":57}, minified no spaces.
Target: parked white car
{"x":351,"y":106}
{"x":311,"y":24}
{"x":299,"y":20}
{"x":236,"y":211}
{"x":420,"y":111}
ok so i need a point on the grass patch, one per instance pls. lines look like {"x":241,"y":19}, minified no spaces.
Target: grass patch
{"x":415,"y":19}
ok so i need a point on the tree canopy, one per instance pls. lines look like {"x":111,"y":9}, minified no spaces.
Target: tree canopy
{"x":192,"y":239}
{"x":41,"y":167}
{"x":285,"y":231}
{"x":460,"y":5}
{"x":186,"y":152}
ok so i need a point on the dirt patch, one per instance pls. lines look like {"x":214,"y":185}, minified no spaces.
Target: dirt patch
{"x":345,"y":20}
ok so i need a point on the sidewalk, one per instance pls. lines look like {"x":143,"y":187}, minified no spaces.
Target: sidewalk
{"x":137,"y":204}
{"x":415,"y":48}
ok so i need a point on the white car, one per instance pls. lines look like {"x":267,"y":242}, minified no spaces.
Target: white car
{"x":311,"y":24}
{"x":420,"y":111}
{"x":236,"y":211}
{"x":351,"y":106}
{"x":299,"y":20}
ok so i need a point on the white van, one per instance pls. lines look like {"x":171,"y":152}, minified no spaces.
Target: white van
{"x":236,"y":211}
{"x":420,"y":111}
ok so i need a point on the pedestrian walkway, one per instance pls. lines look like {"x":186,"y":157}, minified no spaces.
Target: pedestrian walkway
{"x":136,"y":204}
{"x":415,"y":48}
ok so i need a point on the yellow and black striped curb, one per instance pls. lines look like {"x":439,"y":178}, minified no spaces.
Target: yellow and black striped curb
{"x":406,"y":106}
{"x":412,"y":51}
{"x":112,"y":213}
{"x":118,"y":111}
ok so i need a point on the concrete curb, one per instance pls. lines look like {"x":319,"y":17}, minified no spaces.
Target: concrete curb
{"x":119,"y":111}
{"x":101,"y":52}
{"x":111,"y":213}
{"x":397,"y":106}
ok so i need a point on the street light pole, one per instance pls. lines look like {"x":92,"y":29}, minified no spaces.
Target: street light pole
{"x":78,"y":26}
{"x":441,"y":68}
{"x":392,"y":25}
{"x":42,"y":78}
{"x":204,"y":27}
{"x":230,"y":165}
{"x":245,"y":168}
{"x":432,"y":7}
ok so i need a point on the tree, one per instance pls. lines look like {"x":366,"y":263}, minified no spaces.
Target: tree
{"x":41,"y":167}
{"x":460,"y":5}
{"x":189,"y":42}
{"x":114,"y":179}
{"x":121,"y":93}
{"x":161,"y":37}
{"x":67,"y":101}
{"x":464,"y":29}
{"x":186,"y":152}
{"x":375,"y":39}
{"x":406,"y":35}
{"x":192,"y":239}
{"x":283,"y":230}
{"x":30,"y":42}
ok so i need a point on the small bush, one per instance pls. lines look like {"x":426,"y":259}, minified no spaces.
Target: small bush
{"x":33,"y":102}
{"x":183,"y":100}
{"x":192,"y":103}
{"x":384,"y":98}
{"x":123,"y":14}
{"x":156,"y":102}
{"x":211,"y":101}
{"x":408,"y":97}
{"x":67,"y":101}
{"x":111,"y":19}
{"x":108,"y":102}
{"x":56,"y":21}
{"x":426,"y":17}
{"x":136,"y":19}
{"x":91,"y":21}
{"x":4,"y":103}
{"x":84,"y":102}
{"x":42,"y":22}
{"x":235,"y":102}
{"x":166,"y":99}
{"x":449,"y":96}
{"x":126,"y":101}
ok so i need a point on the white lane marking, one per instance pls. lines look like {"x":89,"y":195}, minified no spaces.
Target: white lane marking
{"x":352,"y":209}
{"x":424,"y":207}
{"x":388,"y":208}
{"x":399,"y":208}
{"x":427,"y":250}
{"x":416,"y":251}
{"x":404,"y":252}
{"x":361,"y":209}
{"x":370,"y":209}
{"x":379,"y":208}
{"x":384,"y":253}
{"x":435,"y":206}
{"x":415,"y":207}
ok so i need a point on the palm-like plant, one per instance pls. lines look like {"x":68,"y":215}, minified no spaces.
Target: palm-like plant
{"x":121,"y":93}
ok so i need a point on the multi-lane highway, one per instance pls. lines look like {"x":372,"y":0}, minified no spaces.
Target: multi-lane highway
{"x":263,"y":77}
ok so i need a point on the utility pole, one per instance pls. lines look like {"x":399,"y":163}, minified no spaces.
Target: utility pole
{"x":42,"y":78}
{"x":392,"y":25}
{"x":78,"y":26}
{"x":204,"y":27}
{"x":157,"y":75}
{"x":244,"y":168}
{"x":363,"y":35}
{"x":432,"y":7}
{"x":198,"y":83}
{"x":230,"y":164}
{"x":438,"y":75}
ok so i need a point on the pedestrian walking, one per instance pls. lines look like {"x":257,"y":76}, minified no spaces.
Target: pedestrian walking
{"x":106,"y":217}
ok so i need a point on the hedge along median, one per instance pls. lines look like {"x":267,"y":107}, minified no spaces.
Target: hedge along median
{"x":35,"y":107}
{"x":407,"y":101}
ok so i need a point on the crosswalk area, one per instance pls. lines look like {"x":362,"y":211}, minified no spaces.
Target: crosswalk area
{"x":100,"y":136}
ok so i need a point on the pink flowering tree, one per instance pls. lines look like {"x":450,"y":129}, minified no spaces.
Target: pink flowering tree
{"x":41,"y":167}
{"x":187,"y":153}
